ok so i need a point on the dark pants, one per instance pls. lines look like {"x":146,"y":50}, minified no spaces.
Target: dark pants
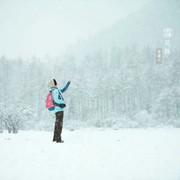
{"x":58,"y":126}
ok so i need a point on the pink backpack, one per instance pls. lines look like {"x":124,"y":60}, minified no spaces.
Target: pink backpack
{"x":50,"y":102}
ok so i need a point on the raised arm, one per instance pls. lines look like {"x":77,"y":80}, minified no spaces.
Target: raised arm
{"x":65,"y":87}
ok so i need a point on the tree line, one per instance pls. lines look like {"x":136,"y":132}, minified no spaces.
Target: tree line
{"x":119,"y":88}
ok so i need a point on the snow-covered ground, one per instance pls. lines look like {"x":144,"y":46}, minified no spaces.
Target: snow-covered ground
{"x":91,"y":154}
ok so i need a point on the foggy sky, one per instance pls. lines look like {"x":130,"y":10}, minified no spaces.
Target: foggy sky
{"x":40,"y":27}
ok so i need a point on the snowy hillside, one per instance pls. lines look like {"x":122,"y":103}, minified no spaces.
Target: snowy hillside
{"x":142,"y":28}
{"x":91,"y":154}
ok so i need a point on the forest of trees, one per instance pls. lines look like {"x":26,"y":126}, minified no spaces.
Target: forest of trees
{"x":122,"y":88}
{"x":116,"y":81}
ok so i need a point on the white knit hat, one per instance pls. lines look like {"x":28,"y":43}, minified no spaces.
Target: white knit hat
{"x":52,"y":83}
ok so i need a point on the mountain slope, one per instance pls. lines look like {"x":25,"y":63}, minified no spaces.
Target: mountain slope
{"x":143,"y":28}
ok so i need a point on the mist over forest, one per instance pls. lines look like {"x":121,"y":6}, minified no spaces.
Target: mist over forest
{"x":116,"y":81}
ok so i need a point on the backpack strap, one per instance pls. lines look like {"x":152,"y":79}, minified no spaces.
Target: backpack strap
{"x":59,"y":94}
{"x":62,"y":105}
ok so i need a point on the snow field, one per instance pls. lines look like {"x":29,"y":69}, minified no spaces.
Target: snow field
{"x":91,"y":154}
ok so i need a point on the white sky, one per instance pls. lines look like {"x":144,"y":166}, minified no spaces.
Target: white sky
{"x":40,"y":27}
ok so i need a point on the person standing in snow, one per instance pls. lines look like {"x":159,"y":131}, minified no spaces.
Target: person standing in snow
{"x":59,"y":108}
